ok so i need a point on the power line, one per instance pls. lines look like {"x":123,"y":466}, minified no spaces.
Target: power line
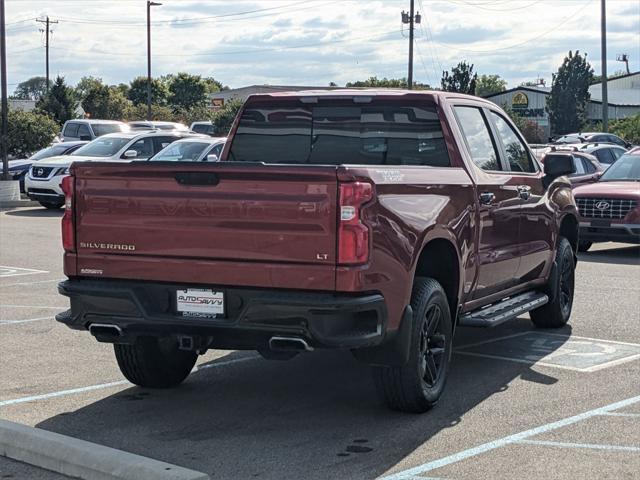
{"x":235,"y":52}
{"x":564,"y":20}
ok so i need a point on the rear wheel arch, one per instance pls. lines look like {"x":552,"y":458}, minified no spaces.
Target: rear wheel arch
{"x":440,"y":261}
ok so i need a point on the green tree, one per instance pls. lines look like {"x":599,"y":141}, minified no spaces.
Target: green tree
{"x":106,"y":102}
{"x":627,"y":128}
{"x":488,"y":84}
{"x":158,"y":112}
{"x":569,"y":97}
{"x":32,"y":89}
{"x":29,"y":132}
{"x":462,"y":79}
{"x":138,"y":91}
{"x":187,"y":90}
{"x":60,"y":102}
{"x":84,"y":85}
{"x":213,"y":85}
{"x":224,"y":117}
{"x":375,"y":82}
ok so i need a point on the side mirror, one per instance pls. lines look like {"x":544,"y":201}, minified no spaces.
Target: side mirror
{"x":558,"y":164}
{"x":130,"y":154}
{"x":212,"y":157}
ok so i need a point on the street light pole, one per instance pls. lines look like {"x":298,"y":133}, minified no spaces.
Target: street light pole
{"x":149,"y":5}
{"x":603,"y":59}
{"x":5,"y":106}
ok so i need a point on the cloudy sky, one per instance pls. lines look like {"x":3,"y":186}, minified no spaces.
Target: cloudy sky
{"x":314,"y":42}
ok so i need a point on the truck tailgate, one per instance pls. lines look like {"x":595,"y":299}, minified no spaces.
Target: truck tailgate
{"x":224,"y":216}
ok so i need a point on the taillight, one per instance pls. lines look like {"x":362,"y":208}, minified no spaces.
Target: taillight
{"x":353,"y":235}
{"x":68,"y":227}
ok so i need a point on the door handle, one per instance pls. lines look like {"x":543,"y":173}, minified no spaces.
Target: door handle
{"x":487,"y":197}
{"x":524,"y":192}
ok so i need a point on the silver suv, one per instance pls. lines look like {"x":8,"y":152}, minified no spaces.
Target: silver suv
{"x":88,"y":130}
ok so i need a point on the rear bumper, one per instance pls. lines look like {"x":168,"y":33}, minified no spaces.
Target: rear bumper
{"x":253,"y":316}
{"x":624,"y":233}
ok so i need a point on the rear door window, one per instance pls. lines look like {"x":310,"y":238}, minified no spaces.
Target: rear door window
{"x":325,"y":134}
{"x":577,"y":163}
{"x":162,"y":142}
{"x":604,"y":155}
{"x":476,"y":134}
{"x":588,"y":166}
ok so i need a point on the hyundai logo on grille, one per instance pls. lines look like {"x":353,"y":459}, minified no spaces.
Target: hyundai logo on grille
{"x":602,"y":205}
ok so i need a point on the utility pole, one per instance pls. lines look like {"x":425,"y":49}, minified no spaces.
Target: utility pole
{"x":603,"y":39}
{"x":410,"y":18}
{"x":47,"y":30}
{"x":5,"y":105}
{"x":149,"y":5}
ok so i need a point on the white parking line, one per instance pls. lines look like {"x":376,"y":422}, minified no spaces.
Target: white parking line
{"x":511,"y":439}
{"x":29,"y":283}
{"x":31,"y":306}
{"x":621,"y":414}
{"x":28,"y":320}
{"x":73,"y":391}
{"x":6,"y":271}
{"x":593,"y":446}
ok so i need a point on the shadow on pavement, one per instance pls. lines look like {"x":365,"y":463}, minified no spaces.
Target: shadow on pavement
{"x":629,"y":255}
{"x":36,"y":212}
{"x":314,"y":417}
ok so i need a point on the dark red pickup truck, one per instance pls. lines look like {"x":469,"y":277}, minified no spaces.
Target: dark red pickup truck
{"x":375,"y":221}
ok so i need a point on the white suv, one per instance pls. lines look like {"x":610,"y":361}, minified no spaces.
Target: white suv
{"x":42,"y":183}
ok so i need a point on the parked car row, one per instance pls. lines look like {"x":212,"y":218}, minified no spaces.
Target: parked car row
{"x":44,"y":178}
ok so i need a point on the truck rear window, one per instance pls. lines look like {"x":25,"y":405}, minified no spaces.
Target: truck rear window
{"x":372,"y":134}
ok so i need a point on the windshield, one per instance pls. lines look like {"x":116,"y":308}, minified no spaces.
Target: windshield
{"x":103,"y":128}
{"x":181,"y":152}
{"x":50,"y":152}
{"x":102,"y":147}
{"x":380,"y":133}
{"x":626,"y":168}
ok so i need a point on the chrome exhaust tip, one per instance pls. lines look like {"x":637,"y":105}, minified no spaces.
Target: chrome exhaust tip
{"x":289,"y":344}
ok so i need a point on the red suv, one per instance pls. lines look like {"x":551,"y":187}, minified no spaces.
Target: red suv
{"x":610,"y":208}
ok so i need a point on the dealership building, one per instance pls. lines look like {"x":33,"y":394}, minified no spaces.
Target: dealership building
{"x":529,"y":102}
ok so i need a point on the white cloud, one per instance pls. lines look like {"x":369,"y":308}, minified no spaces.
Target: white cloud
{"x":343,"y":40}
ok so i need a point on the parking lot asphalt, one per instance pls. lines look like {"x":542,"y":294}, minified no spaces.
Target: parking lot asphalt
{"x":520,"y":402}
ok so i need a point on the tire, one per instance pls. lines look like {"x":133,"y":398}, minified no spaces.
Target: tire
{"x":417,"y":386}
{"x":584,"y":245}
{"x":51,"y":205}
{"x":556,"y":313}
{"x":154,"y":363}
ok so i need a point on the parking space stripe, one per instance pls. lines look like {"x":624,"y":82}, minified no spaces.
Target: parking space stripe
{"x":32,"y":306}
{"x":511,"y":439}
{"x":29,"y":283}
{"x":594,"y":446}
{"x":102,"y":386}
{"x":28,"y":320}
{"x":621,"y":414}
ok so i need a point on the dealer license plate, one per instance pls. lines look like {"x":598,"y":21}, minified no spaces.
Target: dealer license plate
{"x":200,"y":302}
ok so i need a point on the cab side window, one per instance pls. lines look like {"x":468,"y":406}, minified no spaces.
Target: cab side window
{"x":476,"y":133}
{"x":71,"y":130}
{"x":516,"y":151}
{"x":83,"y":132}
{"x":579,"y":166}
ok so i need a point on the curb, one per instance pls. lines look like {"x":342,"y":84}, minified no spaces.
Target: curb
{"x":82,"y":459}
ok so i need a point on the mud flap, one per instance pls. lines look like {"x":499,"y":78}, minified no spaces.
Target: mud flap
{"x":393,"y":352}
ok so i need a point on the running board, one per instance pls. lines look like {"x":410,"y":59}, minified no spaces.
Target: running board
{"x":503,"y":311}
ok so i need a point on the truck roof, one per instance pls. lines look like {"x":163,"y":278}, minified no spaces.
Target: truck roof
{"x":366,"y":92}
